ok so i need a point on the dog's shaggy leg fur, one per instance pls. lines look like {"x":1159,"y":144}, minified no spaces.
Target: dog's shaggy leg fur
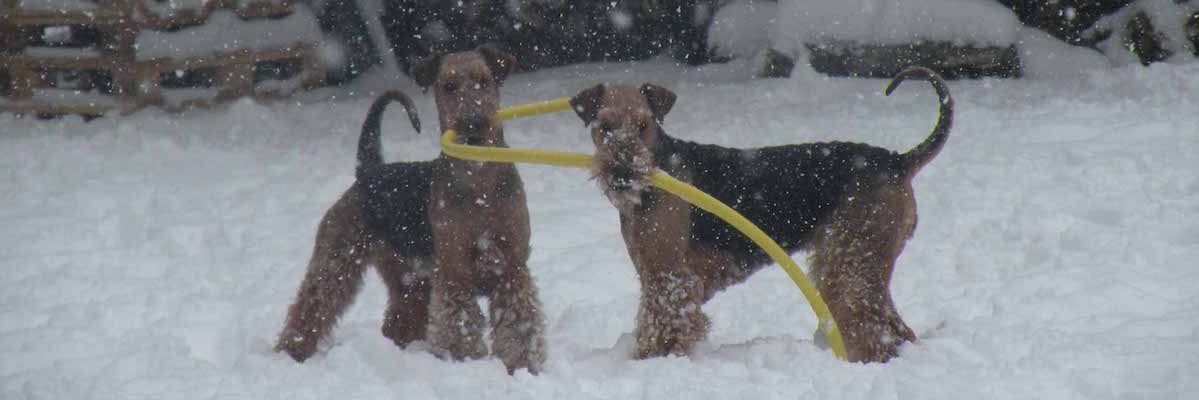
{"x":516,"y":325}
{"x":407,"y":314}
{"x":852,"y":262}
{"x":456,"y":322}
{"x":669,"y":318}
{"x":333,"y":278}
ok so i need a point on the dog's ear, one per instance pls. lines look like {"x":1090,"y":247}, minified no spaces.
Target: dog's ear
{"x":500,"y":62}
{"x":425,"y":71}
{"x":587,"y":103}
{"x":660,"y":99}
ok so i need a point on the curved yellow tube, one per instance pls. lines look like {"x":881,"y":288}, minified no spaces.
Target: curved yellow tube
{"x":507,"y":155}
{"x":710,"y":204}
{"x":531,"y":109}
{"x":663,"y":181}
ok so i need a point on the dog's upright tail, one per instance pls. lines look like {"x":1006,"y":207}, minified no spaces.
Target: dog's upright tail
{"x":924,"y":152}
{"x":370,"y":151}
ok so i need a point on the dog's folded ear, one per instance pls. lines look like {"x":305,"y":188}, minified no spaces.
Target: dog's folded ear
{"x":425,"y":71}
{"x":660,"y":99}
{"x":500,"y":62}
{"x":587,"y":103}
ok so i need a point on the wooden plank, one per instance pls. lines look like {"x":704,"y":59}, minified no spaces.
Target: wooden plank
{"x":32,"y":107}
{"x":92,"y":63}
{"x":28,"y":18}
{"x":219,"y":60}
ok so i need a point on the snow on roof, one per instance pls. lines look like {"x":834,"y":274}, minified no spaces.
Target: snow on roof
{"x":62,"y":5}
{"x":62,"y":52}
{"x":171,"y":7}
{"x":977,"y":22}
{"x":65,"y":97}
{"x":225,"y":32}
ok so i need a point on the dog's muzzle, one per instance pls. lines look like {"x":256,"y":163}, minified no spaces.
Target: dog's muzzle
{"x":473,"y":127}
{"x":622,"y":178}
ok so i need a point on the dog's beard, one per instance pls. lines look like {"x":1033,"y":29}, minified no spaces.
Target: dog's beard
{"x":625,"y":200}
{"x":626,"y":194}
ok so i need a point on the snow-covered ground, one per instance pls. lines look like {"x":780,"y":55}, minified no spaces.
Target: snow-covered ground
{"x":153,"y":256}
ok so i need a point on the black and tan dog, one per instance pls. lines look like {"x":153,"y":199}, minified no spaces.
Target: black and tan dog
{"x":440,"y":233}
{"x":850,"y":204}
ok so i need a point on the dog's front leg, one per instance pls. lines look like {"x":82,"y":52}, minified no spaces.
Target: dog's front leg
{"x":517,"y":324}
{"x":455,"y":319}
{"x":669,"y":319}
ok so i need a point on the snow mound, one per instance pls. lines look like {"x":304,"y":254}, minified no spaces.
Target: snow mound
{"x":964,"y":22}
{"x":1169,"y":19}
{"x":742,"y":29}
{"x":225,"y":32}
{"x":1044,"y":57}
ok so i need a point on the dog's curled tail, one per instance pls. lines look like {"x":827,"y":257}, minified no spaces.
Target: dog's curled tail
{"x":370,"y":151}
{"x":924,"y":152}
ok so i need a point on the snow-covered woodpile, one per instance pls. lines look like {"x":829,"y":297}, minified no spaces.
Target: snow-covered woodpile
{"x":876,"y":38}
{"x":94,"y":56}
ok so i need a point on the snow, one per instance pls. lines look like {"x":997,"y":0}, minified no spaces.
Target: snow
{"x":62,"y":52}
{"x":742,"y":29}
{"x":170,"y":7}
{"x":63,"y":96}
{"x":224,"y":32}
{"x":1168,"y":18}
{"x":65,"y":5}
{"x":1045,"y":57}
{"x":745,"y":28}
{"x":894,"y":22}
{"x":154,"y":256}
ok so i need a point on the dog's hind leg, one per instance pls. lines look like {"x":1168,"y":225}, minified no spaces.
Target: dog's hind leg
{"x":852,"y":261}
{"x":408,"y":287}
{"x":333,"y":278}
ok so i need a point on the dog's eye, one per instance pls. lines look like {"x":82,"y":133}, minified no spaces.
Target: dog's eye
{"x":642,"y":127}
{"x":482,"y":84}
{"x":605,"y":128}
{"x":449,"y":87}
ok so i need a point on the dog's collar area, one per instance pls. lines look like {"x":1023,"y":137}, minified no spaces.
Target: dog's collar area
{"x":696,"y":197}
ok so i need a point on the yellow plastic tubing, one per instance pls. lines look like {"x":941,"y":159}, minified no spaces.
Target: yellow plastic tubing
{"x":662,"y":181}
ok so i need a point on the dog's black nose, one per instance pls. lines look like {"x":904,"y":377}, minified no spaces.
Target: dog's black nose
{"x":473,"y":125}
{"x":622,"y":177}
{"x":473,"y":140}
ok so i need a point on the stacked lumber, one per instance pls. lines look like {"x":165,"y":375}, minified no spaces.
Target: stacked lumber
{"x":90,"y":57}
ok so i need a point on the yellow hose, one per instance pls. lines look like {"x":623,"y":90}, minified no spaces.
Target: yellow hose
{"x":663,"y":181}
{"x":531,"y":109}
{"x":710,"y":204}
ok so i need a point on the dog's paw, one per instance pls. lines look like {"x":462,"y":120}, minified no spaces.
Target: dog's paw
{"x":672,"y":335}
{"x":296,"y":345}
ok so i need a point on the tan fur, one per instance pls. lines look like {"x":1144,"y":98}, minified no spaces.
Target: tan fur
{"x":342,"y":251}
{"x":480,"y":232}
{"x":853,"y":248}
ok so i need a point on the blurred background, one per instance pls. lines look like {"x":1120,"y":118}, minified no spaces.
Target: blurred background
{"x":93,"y":56}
